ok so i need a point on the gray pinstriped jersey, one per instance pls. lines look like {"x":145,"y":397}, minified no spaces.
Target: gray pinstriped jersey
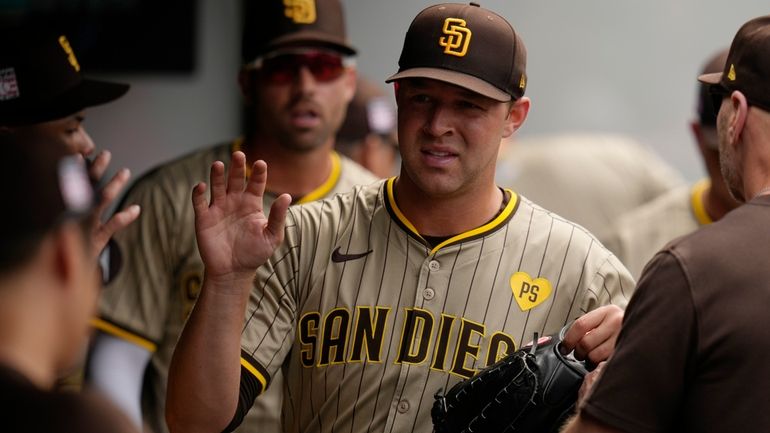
{"x":152,"y":296}
{"x":368,"y":322}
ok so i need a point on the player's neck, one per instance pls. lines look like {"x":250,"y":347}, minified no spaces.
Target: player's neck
{"x":25,"y":344}
{"x":447,"y":215}
{"x":291,"y":171}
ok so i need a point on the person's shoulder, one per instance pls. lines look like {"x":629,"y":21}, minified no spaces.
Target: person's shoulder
{"x":656,"y":210}
{"x":358,"y":198}
{"x":352,"y":173}
{"x":179,"y":175}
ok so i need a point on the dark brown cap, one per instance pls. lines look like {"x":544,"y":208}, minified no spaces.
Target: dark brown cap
{"x":707,"y":112}
{"x":748,"y":64}
{"x":468,"y":46}
{"x":274,"y":24}
{"x":40,"y":79}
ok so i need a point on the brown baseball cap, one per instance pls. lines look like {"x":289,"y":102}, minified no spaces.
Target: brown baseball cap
{"x":468,"y":46}
{"x":274,"y":24}
{"x":748,"y":64}
{"x":707,"y":111}
{"x":40,"y":79}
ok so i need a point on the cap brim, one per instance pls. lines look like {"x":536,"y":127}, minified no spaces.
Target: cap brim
{"x":713,"y":78}
{"x":310,"y":38}
{"x":460,"y":79}
{"x":87,"y":93}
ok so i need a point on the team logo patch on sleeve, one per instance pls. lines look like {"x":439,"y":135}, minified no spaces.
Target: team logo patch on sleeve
{"x":529,"y":293}
{"x":457,"y":37}
{"x":9,"y":87}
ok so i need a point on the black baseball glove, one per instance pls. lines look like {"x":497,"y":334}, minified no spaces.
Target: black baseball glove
{"x":533,"y":390}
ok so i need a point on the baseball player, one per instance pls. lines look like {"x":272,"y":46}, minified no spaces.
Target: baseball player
{"x":42,"y":91}
{"x":48,"y":288}
{"x":694,"y":345}
{"x":589,"y":178}
{"x":297,"y":82}
{"x":373,"y":301}
{"x":641,"y":232}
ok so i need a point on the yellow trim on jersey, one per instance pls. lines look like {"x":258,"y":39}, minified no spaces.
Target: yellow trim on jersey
{"x":113,"y":330}
{"x":394,"y":206}
{"x":327,"y":186}
{"x":696,"y":202}
{"x":500,"y":218}
{"x":317,"y":193}
{"x":251,"y":369}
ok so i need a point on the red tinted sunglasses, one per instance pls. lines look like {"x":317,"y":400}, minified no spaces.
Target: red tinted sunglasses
{"x":283,"y":69}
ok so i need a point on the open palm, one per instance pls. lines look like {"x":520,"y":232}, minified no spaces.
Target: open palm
{"x":234,"y":235}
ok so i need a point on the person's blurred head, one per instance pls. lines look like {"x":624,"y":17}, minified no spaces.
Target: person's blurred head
{"x":42,"y":87}
{"x":297,"y":75}
{"x":48,"y":275}
{"x":368,"y":134}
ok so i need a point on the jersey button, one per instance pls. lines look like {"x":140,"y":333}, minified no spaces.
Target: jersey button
{"x":434,"y":265}
{"x":428,"y":293}
{"x":403,"y":406}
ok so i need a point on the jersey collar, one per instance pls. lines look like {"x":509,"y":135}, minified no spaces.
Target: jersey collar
{"x":499,"y":221}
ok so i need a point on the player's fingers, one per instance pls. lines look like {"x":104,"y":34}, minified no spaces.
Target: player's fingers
{"x":99,"y":165}
{"x":609,"y":316}
{"x":258,"y":180}
{"x":199,"y":199}
{"x":601,"y":352}
{"x":277,"y":218}
{"x":114,"y":186}
{"x":237,"y":173}
{"x":217,"y":182}
{"x":119,"y":221}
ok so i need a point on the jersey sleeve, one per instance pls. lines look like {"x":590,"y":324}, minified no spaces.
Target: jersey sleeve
{"x":642,"y":385}
{"x":611,"y":284}
{"x":269,"y":324}
{"x":134,"y":305}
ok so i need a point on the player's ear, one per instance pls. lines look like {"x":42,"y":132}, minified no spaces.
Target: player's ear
{"x":737,"y":116}
{"x":350,"y":76}
{"x":246,"y":81}
{"x":517,"y":114}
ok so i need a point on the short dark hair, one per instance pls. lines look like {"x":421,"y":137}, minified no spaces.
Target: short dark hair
{"x":42,"y":186}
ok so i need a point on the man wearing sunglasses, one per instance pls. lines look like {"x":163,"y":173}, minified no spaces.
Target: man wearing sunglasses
{"x":375,"y":301}
{"x":297,"y":80}
{"x":693,"y":349}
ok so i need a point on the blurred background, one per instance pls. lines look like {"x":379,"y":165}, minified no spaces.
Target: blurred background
{"x":618,"y":66}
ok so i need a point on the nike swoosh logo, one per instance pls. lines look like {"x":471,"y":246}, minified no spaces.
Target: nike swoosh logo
{"x":338,"y":257}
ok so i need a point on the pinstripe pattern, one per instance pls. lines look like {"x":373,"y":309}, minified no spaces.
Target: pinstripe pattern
{"x":440,"y":308}
{"x":162,"y":272}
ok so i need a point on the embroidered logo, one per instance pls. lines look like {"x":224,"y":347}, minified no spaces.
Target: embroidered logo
{"x":731,"y":74}
{"x":529,"y":293}
{"x":300,"y":11}
{"x":338,"y":257}
{"x":457,"y":38}
{"x":9,"y":87}
{"x":65,"y":44}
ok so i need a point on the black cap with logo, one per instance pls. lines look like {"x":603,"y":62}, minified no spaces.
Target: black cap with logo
{"x":269,"y":25}
{"x":468,"y":46}
{"x":748,"y":64}
{"x":40,"y":79}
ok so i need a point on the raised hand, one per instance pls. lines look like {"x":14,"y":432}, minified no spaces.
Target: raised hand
{"x":234,"y":235}
{"x":102,"y":232}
